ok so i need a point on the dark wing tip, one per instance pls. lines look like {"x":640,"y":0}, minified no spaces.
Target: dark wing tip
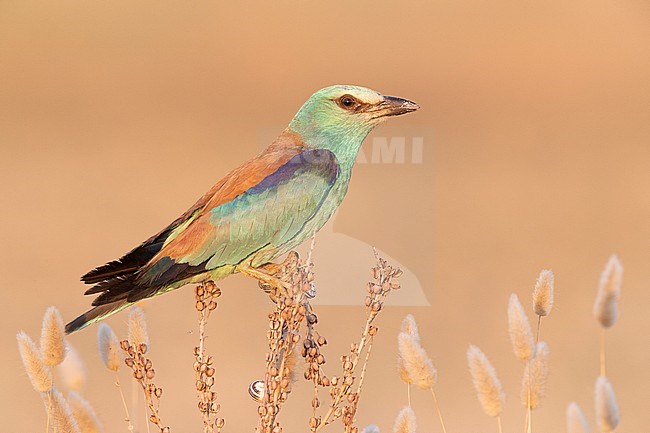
{"x":77,"y":324}
{"x":110,"y":270}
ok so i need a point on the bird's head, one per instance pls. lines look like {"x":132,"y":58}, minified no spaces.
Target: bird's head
{"x":341,"y":116}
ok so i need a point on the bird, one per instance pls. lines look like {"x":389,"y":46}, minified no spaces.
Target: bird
{"x":258,"y":212}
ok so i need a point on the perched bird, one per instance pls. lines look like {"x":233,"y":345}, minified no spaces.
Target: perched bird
{"x":257,"y":212}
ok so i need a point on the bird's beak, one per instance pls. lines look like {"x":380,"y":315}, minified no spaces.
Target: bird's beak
{"x":393,"y":106}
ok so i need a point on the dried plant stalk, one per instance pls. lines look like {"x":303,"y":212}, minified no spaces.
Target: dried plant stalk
{"x":206,"y":295}
{"x":291,"y":310}
{"x":109,"y":351}
{"x":135,"y":349}
{"x":341,"y":388}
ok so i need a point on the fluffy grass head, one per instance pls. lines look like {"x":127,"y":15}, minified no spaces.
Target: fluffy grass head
{"x":73,"y":370}
{"x":535,"y":377}
{"x":609,"y":292}
{"x":109,"y":347}
{"x":607,"y":413}
{"x":138,"y":328}
{"x":416,"y":362}
{"x":576,"y":422}
{"x":543,"y":293}
{"x":521,"y":334}
{"x":487,"y":384}
{"x":53,"y":345}
{"x":61,"y":416}
{"x":39,"y":373}
{"x":405,"y":421}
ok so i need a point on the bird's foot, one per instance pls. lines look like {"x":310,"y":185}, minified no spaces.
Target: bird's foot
{"x":267,"y":281}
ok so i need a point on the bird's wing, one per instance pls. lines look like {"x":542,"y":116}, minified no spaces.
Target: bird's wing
{"x":139,"y":256}
{"x":233,"y":184}
{"x":270,"y":212}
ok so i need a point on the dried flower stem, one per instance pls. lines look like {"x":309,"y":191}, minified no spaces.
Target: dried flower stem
{"x":385,"y":277}
{"x":49,"y":410}
{"x":602,"y":352}
{"x":365,"y":364}
{"x":144,"y":374}
{"x":529,"y":410}
{"x":291,"y":309}
{"x":435,"y":401}
{"x":205,"y":295}
{"x":126,"y":407}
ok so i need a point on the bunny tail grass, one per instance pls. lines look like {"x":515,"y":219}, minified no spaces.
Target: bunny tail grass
{"x":95,"y":315}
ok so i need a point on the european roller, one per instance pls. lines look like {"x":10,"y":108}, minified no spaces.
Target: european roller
{"x":257,"y":212}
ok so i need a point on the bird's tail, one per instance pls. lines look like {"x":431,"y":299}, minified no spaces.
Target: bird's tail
{"x":96,"y":314}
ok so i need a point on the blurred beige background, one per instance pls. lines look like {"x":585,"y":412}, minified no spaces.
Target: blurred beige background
{"x":115,"y":116}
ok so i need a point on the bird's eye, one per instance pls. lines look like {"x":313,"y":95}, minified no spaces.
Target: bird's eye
{"x":347,"y":102}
